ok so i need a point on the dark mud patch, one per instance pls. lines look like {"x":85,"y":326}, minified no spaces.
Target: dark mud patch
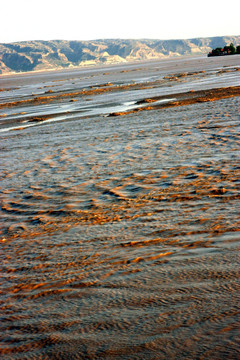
{"x":37,"y":119}
{"x":189,"y":98}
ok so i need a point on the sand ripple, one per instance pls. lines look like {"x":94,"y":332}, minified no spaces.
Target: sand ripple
{"x":119,"y":238}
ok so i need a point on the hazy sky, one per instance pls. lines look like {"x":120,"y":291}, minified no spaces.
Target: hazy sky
{"x":95,"y":19}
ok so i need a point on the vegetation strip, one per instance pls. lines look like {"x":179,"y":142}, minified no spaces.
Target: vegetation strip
{"x":226,"y":50}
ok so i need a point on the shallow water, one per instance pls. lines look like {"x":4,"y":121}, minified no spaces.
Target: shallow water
{"x":123,"y":84}
{"x":120,"y":234}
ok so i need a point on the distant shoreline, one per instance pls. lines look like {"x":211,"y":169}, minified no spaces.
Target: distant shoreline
{"x":30,"y":56}
{"x":98,"y":66}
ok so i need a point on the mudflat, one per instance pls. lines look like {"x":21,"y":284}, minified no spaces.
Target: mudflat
{"x":120,"y":211}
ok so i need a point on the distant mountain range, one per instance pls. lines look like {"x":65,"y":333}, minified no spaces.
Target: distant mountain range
{"x":58,"y":54}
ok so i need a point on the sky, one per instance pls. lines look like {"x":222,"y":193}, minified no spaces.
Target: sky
{"x":22,"y":20}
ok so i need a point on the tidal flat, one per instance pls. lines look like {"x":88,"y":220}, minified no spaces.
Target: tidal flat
{"x":119,"y":211}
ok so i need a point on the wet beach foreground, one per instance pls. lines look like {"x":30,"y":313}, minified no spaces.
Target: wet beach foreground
{"x":120,"y":212}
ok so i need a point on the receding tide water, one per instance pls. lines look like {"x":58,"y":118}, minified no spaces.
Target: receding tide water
{"x":120,"y":234}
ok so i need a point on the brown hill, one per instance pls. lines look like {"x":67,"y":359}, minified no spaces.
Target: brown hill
{"x":58,"y":54}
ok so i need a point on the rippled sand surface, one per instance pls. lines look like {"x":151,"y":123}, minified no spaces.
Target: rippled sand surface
{"x":120,"y":234}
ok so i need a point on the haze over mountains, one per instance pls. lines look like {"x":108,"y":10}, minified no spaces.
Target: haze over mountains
{"x":57,"y":54}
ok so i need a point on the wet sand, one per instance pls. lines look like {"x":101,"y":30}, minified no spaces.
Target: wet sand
{"x":120,"y":212}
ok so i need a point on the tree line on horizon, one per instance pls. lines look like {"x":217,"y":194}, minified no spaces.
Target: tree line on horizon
{"x":226,"y":50}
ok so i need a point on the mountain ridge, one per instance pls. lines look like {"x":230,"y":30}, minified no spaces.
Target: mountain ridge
{"x":38,"y":55}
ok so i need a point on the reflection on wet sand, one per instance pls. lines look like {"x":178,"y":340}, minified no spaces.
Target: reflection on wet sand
{"x":120,"y":233}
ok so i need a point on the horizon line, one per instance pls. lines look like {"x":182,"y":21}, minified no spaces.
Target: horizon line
{"x":119,"y":38}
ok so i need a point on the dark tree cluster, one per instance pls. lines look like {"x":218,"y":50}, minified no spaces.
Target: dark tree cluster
{"x":226,"y":50}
